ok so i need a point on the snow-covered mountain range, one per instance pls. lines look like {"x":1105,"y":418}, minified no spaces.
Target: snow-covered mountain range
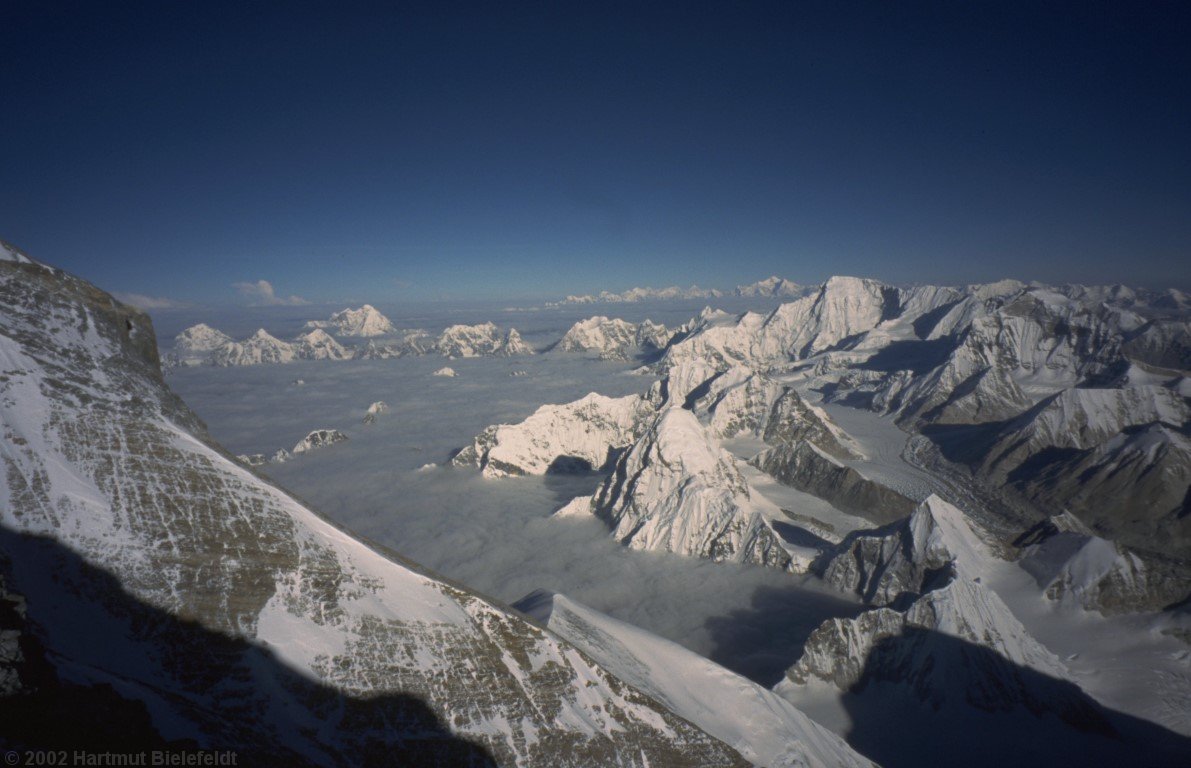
{"x":769,"y":287}
{"x":1025,"y":388}
{"x":1010,"y":400}
{"x":633,"y":295}
{"x":172,"y":589}
{"x":202,"y":345}
{"x":614,"y":339}
{"x":977,"y":472}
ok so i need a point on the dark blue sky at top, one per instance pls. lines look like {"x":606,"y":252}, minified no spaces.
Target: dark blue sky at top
{"x":387,"y":151}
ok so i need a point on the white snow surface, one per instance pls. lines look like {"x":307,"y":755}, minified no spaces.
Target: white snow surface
{"x":683,"y":493}
{"x":613,"y":338}
{"x":587,"y":429}
{"x":319,"y":345}
{"x":199,"y":340}
{"x":367,"y":321}
{"x":762,"y":726}
{"x":259,"y":348}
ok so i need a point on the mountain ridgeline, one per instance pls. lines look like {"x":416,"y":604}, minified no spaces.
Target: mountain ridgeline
{"x":149,"y":576}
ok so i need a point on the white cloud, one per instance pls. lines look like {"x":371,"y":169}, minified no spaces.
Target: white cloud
{"x":261,"y":293}
{"x":141,"y":301}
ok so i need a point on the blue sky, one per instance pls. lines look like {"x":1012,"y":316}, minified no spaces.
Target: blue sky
{"x":409,"y":151}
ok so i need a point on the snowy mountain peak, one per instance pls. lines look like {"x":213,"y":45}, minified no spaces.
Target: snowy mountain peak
{"x":366,"y":321}
{"x":199,"y":338}
{"x":913,"y":556}
{"x":319,"y":345}
{"x":259,"y":348}
{"x":771,"y":286}
{"x":587,"y":431}
{"x":195,"y":344}
{"x":613,"y":339}
{"x":677,"y":491}
{"x":480,"y":340}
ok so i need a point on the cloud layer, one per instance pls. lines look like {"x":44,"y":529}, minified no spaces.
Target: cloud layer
{"x":261,"y":293}
{"x":496,"y":536}
{"x":141,"y":301}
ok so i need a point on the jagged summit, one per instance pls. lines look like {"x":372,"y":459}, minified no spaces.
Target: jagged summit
{"x":367,"y":321}
{"x":261,"y":347}
{"x":319,"y":345}
{"x":613,"y":338}
{"x":195,"y":344}
{"x":480,"y":340}
{"x":674,"y":490}
{"x":907,"y":558}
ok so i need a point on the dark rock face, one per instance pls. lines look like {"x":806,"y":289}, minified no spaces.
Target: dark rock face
{"x":799,"y":465}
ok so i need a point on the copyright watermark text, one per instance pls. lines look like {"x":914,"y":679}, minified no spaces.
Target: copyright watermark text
{"x":82,"y":757}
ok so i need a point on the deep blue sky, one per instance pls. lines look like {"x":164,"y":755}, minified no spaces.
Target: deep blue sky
{"x":398,"y":150}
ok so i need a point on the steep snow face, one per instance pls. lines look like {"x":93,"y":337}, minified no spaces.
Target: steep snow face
{"x":765,"y":728}
{"x":255,"y":350}
{"x":477,"y":340}
{"x":910,"y":557}
{"x":613,"y":339}
{"x":196,"y":343}
{"x":1009,"y":357}
{"x":366,"y":321}
{"x":957,"y":645}
{"x":318,"y":345}
{"x":319,"y":438}
{"x":586,"y":433}
{"x":676,"y":491}
{"x":288,"y":621}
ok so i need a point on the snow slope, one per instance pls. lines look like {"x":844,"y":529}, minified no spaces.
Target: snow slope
{"x":765,"y":728}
